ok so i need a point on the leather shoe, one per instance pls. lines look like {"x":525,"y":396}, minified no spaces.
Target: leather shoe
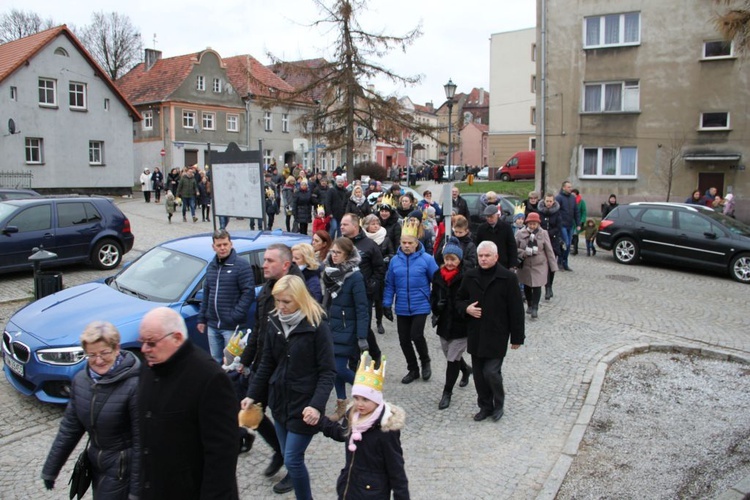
{"x":497,"y":414}
{"x":465,"y":377}
{"x":246,"y":440}
{"x":381,"y":330}
{"x":481,"y":415}
{"x":535,"y":312}
{"x":284,"y":486}
{"x":445,"y":401}
{"x":426,"y":371}
{"x":410,"y":377}
{"x":276,"y":462}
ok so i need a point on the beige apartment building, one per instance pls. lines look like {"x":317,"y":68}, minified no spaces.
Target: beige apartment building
{"x":513,"y":85}
{"x":638,"y":94}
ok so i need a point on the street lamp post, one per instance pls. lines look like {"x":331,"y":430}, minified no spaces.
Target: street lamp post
{"x":450,"y":91}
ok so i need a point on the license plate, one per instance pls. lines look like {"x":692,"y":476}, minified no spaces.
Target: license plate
{"x":14,"y":365}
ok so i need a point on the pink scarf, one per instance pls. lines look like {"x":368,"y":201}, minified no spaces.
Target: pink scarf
{"x":359,"y":427}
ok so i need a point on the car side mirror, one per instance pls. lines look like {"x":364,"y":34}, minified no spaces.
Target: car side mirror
{"x":10,"y":230}
{"x":710,"y":236}
{"x":197,"y":298}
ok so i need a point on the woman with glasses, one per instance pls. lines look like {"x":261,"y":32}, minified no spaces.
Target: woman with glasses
{"x":103,"y":402}
{"x":295,"y":376}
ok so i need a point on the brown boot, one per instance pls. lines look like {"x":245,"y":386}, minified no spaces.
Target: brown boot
{"x":340,"y":411}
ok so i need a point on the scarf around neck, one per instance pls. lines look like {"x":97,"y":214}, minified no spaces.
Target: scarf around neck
{"x":335,"y":275}
{"x":358,"y":427}
{"x":378,"y":236}
{"x":290,"y":321}
{"x":358,"y":199}
{"x":447,"y":275}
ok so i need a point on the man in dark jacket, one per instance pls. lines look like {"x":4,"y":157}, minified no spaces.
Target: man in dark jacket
{"x":228,"y":291}
{"x":188,"y":414}
{"x":277,"y":262}
{"x":491,"y":301}
{"x":460,"y":206}
{"x":501,"y":234}
{"x":372,"y":268}
{"x":569,"y":216}
{"x":335,"y":204}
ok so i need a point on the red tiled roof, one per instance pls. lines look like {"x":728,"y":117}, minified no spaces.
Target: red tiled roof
{"x":472,"y":99}
{"x":300,"y":74}
{"x":424,"y":109}
{"x":158,"y":83}
{"x":15,"y":53}
{"x":259,"y":80}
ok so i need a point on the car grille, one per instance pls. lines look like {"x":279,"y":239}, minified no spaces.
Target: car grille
{"x":18,"y":350}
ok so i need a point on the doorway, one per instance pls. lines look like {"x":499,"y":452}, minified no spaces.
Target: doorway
{"x":191,"y":157}
{"x":711,"y":179}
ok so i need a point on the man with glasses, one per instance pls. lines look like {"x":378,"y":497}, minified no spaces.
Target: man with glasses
{"x":188,"y":414}
{"x":228,"y":291}
{"x":459,"y":203}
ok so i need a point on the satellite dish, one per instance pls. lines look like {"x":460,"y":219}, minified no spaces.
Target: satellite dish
{"x":11,"y":126}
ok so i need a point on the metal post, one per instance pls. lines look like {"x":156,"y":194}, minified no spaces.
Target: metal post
{"x":450,"y":139}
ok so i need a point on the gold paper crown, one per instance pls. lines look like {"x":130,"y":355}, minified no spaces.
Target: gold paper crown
{"x":367,"y":375}
{"x":320,"y":208}
{"x":233,"y":346}
{"x":518,"y":210}
{"x":411,"y":228}
{"x":388,"y":200}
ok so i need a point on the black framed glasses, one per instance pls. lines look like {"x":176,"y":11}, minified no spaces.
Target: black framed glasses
{"x":152,"y":343}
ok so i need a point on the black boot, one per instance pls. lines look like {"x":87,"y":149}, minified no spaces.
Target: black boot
{"x":445,"y":401}
{"x":276,"y":462}
{"x":535,"y":312}
{"x":547,"y":292}
{"x":410,"y":377}
{"x":284,"y":486}
{"x":246,"y":440}
{"x":426,"y":371}
{"x":466,"y":372}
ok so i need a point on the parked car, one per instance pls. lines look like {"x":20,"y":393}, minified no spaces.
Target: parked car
{"x":484,"y":174}
{"x":522,"y":165}
{"x":507,"y":205}
{"x":41,"y":347}
{"x":77,"y":229}
{"x":454,"y":173}
{"x":17,"y":194}
{"x":691,"y":236}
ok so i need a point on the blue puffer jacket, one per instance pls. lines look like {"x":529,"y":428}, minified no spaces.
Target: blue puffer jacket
{"x":348,"y":316}
{"x":228,"y":292}
{"x":409,"y":278}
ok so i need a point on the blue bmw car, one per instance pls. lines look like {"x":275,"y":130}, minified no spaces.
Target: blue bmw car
{"x":41,"y":347}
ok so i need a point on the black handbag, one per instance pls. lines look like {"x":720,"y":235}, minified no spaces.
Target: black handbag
{"x":81,"y":478}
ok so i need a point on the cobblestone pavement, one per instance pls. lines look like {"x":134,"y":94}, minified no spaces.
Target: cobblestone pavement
{"x":599,"y":309}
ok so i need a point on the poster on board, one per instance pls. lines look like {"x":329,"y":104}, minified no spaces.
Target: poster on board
{"x":238,"y":189}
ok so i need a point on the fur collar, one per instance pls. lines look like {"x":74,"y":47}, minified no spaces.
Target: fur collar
{"x":393,"y":419}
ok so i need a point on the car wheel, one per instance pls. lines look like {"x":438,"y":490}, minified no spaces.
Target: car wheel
{"x":107,"y":254}
{"x":626,"y":251}
{"x":739,"y":268}
{"x":505,"y":178}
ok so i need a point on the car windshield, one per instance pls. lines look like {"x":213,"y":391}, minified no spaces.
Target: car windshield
{"x":733,"y":225}
{"x":161,"y":275}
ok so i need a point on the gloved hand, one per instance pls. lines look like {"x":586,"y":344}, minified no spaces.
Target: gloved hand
{"x":49,"y":483}
{"x":387,"y":313}
{"x":529,"y":251}
{"x":363,"y":345}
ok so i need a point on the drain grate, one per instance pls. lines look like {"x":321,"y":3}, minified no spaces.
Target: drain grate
{"x":622,"y":278}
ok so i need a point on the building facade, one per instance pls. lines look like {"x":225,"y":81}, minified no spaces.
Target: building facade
{"x":475,"y":144}
{"x":644,"y":100}
{"x":513,"y":82}
{"x":72,"y":128}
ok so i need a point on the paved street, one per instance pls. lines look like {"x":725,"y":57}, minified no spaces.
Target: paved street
{"x":599,"y":310}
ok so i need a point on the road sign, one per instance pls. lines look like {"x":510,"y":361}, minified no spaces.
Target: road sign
{"x":163,"y":153}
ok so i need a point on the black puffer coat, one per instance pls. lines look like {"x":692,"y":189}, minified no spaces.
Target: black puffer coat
{"x":115,"y":437}
{"x":451,"y":323}
{"x":302,"y":206}
{"x":552,"y":223}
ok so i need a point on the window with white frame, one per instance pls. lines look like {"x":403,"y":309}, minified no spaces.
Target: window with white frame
{"x":233,"y":123}
{"x":608,"y":162}
{"x":365,"y":157}
{"x":717,"y":120}
{"x":612,"y":30}
{"x":533,"y":84}
{"x":209,"y":121}
{"x":285,"y":122}
{"x":13,"y":93}
{"x":611,"y":97}
{"x":267,"y":156}
{"x":47,"y":92}
{"x":96,"y":153}
{"x":188,"y":119}
{"x":532,"y":143}
{"x":356,"y":158}
{"x":148,"y":120}
{"x":324,"y":161}
{"x":718,"y":49}
{"x":200,"y":82}
{"x":267,"y":121}
{"x":532,"y":119}
{"x":34,"y":150}
{"x":106,"y":104}
{"x":217,"y":85}
{"x":533,"y":52}
{"x":77,"y":95}
{"x":333,"y":160}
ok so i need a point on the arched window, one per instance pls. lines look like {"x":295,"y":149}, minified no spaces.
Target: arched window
{"x":61,"y":52}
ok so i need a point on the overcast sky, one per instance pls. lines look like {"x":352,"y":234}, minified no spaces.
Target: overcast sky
{"x":455,"y":43}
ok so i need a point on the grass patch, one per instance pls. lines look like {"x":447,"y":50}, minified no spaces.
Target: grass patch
{"x":518,"y":188}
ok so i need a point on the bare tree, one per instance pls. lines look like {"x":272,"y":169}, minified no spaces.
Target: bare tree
{"x":670,"y":160}
{"x":113,"y":41}
{"x":20,"y":23}
{"x":734,"y":22}
{"x":344,"y":100}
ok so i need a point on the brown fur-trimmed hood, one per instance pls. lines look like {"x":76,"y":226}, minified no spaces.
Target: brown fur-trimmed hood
{"x":393,"y":419}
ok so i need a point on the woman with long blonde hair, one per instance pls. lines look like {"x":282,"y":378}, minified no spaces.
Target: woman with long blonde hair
{"x":303,"y":255}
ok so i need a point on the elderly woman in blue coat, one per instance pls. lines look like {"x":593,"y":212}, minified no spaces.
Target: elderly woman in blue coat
{"x":408,"y":282}
{"x":345,"y":300}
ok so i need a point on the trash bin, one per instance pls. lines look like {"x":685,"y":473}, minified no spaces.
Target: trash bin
{"x":47,"y":283}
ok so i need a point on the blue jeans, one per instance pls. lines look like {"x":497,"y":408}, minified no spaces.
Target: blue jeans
{"x":335,"y":230}
{"x":217,"y":341}
{"x":293,"y":447}
{"x":343,"y":375}
{"x":188,"y":202}
{"x":567,"y":235}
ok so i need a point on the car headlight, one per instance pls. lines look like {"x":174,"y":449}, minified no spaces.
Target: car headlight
{"x":61,"y":355}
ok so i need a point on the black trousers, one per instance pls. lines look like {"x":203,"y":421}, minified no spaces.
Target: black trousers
{"x":532,"y":295}
{"x":488,"y":380}
{"x":372,"y":344}
{"x":411,"y":331}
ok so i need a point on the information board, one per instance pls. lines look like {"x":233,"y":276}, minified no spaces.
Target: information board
{"x":238,"y":190}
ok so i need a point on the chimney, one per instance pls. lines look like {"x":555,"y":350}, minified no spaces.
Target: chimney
{"x":150,"y":58}
{"x":481,"y":96}
{"x":429,"y":106}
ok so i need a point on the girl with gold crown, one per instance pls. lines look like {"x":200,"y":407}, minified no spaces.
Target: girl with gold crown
{"x":371,"y":429}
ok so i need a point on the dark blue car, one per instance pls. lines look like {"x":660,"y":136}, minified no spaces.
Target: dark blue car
{"x":41,"y":346}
